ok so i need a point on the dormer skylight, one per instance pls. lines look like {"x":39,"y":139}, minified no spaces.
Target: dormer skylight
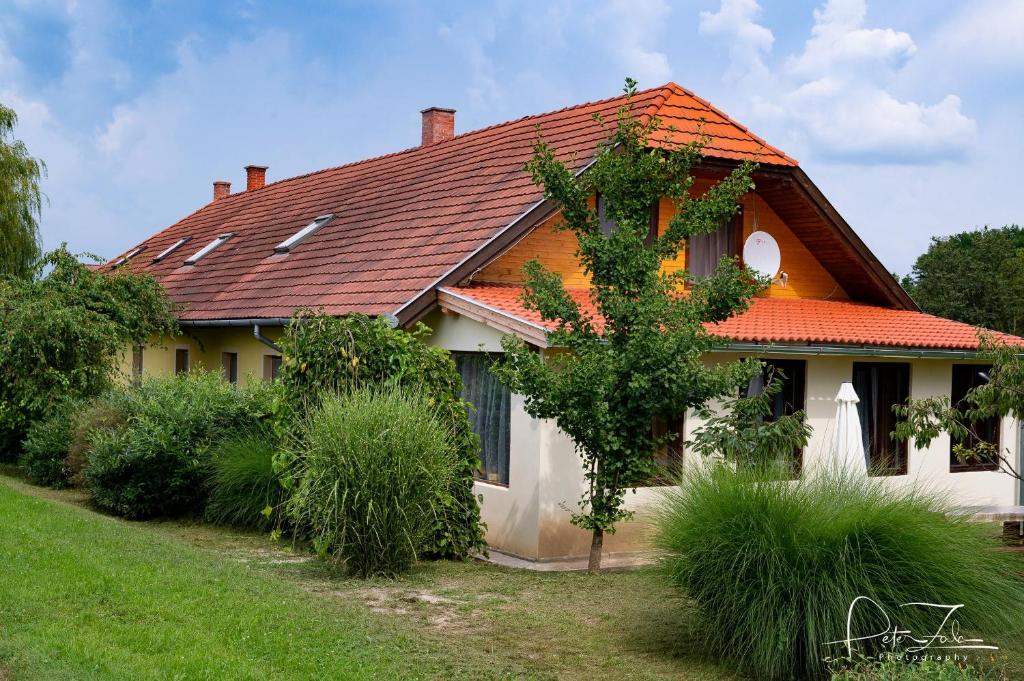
{"x":295,"y":239}
{"x":128,"y":256}
{"x":208,"y":248}
{"x":172,"y":248}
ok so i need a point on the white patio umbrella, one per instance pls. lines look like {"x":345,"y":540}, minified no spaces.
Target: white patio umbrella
{"x":848,"y":443}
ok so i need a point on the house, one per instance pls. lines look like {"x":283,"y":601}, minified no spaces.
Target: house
{"x":439,"y":233}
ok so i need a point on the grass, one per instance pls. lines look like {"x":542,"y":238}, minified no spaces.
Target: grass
{"x":86,"y":596}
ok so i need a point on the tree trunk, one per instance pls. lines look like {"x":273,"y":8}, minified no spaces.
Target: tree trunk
{"x":596,"y":543}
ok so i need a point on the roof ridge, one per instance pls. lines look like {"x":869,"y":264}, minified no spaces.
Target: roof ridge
{"x":462,"y":135}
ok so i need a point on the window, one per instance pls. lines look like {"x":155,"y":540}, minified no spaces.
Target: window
{"x":792,"y":374}
{"x":271,"y":367}
{"x":208,"y":248}
{"x":128,"y":256}
{"x":881,"y":386}
{"x":965,"y":377}
{"x":172,"y":248}
{"x":229,"y":364}
{"x":137,"y":361}
{"x":300,"y":236}
{"x":703,"y":251}
{"x":181,"y":361}
{"x":492,"y":418}
{"x":608,"y":226}
{"x":668,"y":460}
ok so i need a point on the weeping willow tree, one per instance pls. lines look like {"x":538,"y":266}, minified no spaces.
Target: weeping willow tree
{"x":20,"y":201}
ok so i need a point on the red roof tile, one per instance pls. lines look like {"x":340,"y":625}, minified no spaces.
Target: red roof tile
{"x":788,"y":320}
{"x":402,"y":220}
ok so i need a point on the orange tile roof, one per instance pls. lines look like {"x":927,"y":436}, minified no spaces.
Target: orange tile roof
{"x":402,"y":220}
{"x":787,"y":320}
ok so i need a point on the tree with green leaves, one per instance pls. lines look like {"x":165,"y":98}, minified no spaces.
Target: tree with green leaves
{"x":642,"y":357}
{"x":62,"y":331}
{"x":20,"y":201}
{"x":975,"y":277}
{"x":1001,"y":395}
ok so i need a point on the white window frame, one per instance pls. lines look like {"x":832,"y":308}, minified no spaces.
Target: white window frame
{"x":294,"y":240}
{"x":208,"y":248}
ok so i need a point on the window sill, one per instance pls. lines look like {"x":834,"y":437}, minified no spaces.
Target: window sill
{"x":492,"y":483}
{"x":886,"y":474}
{"x":978,"y":468}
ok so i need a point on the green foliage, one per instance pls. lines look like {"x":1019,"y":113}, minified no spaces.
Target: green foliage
{"x":899,"y":670}
{"x":740,"y":431}
{"x":774,"y":566}
{"x":153,"y":463}
{"x":973,"y":277}
{"x":44,"y":455}
{"x":645,"y":362}
{"x":61,"y":333}
{"x":1003,"y":395}
{"x":326,"y":355}
{"x":371,"y":468}
{"x":20,"y":201}
{"x":244,"y":489}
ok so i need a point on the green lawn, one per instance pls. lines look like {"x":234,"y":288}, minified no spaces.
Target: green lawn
{"x":85,"y":596}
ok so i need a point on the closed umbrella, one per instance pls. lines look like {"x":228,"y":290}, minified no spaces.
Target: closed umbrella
{"x":848,"y":444}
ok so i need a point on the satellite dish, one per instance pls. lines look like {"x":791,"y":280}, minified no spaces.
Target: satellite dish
{"x":761,"y":254}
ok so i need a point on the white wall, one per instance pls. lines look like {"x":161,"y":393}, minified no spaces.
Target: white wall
{"x":530,"y":517}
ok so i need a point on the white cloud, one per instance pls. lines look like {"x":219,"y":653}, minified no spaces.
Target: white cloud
{"x":735,"y":21}
{"x":839,"y":40}
{"x":989,"y":31}
{"x":630,"y":28}
{"x":833,"y":98}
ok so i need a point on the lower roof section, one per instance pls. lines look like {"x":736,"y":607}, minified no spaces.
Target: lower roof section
{"x":769,"y":325}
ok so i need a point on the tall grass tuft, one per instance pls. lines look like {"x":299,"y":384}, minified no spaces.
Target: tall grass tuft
{"x":372,"y":468}
{"x":774,"y":566}
{"x":244,"y":489}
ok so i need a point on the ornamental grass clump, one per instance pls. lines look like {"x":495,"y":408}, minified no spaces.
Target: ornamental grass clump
{"x":774,"y":567}
{"x":369,"y":478}
{"x":244,"y":489}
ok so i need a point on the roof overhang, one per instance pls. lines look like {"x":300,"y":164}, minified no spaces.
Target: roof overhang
{"x":814,"y":350}
{"x":452,"y":302}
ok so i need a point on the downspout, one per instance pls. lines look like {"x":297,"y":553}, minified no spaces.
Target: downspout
{"x":263,"y":339}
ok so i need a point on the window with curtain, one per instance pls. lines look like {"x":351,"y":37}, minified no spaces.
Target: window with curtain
{"x":880,"y":386}
{"x":229,"y":365}
{"x":668,"y":459}
{"x":792,"y":374}
{"x":608,"y":226}
{"x":703,"y":251}
{"x":137,"y":361}
{"x":491,"y":419}
{"x":965,"y":377}
{"x":181,"y":360}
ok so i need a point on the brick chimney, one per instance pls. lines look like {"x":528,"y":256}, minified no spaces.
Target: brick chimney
{"x":221,"y":189}
{"x":438,"y":125}
{"x":255,"y":177}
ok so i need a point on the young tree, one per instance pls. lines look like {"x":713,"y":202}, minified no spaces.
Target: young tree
{"x":973,"y":277}
{"x":641,"y":358}
{"x":20,"y":201}
{"x":1002,"y":395}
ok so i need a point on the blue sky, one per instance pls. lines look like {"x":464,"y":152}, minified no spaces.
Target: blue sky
{"x":908,"y":115}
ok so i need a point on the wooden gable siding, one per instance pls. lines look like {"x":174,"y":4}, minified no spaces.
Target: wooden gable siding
{"x":556,"y":250}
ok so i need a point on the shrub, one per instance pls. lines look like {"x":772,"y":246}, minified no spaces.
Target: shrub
{"x":774,"y":566}
{"x":62,"y":331}
{"x":332,"y":355}
{"x":105,"y":412}
{"x":153,"y":464}
{"x":369,"y":476}
{"x":45,"y":450}
{"x":244,"y":490}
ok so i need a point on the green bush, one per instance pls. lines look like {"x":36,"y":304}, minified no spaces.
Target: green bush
{"x":372,"y":468}
{"x":62,"y":332}
{"x":153,"y":463}
{"x":333,"y":355}
{"x":108,"y":411}
{"x":44,"y":454}
{"x":244,"y":490}
{"x":774,"y":566}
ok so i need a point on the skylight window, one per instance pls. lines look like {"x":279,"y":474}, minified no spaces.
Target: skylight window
{"x":208,"y":248}
{"x":172,"y":248}
{"x":295,"y":239}
{"x":128,"y":256}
